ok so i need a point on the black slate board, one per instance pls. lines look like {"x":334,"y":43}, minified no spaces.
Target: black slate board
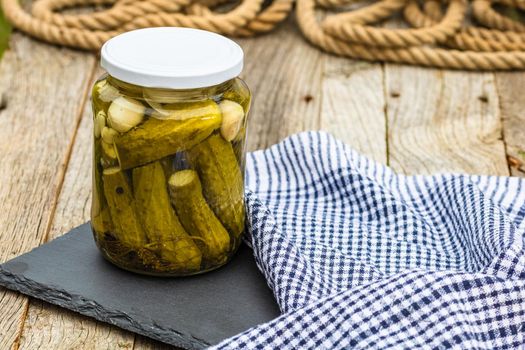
{"x":190,"y":312}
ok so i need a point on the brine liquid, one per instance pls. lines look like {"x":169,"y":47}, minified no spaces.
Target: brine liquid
{"x":168,"y":165}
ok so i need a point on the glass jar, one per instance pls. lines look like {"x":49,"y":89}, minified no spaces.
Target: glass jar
{"x":168,"y":159}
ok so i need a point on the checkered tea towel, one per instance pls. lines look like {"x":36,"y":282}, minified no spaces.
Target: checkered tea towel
{"x":359,"y":257}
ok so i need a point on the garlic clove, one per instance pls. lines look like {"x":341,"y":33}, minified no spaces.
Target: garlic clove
{"x":108,"y":135}
{"x":232,"y":119}
{"x":108,"y":150}
{"x":125,"y":113}
{"x":99,"y":123}
{"x":106,"y":92}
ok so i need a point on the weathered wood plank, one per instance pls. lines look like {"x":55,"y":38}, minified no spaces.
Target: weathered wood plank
{"x":443,"y":121}
{"x":44,"y":87}
{"x":511,"y":92}
{"x":284,"y":74}
{"x":50,"y":327}
{"x":353,"y":105}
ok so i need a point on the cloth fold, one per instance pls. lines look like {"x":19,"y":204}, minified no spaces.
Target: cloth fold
{"x":360,"y":257}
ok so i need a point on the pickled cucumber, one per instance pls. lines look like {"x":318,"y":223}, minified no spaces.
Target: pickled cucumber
{"x":219,"y":171}
{"x":101,"y":222}
{"x":174,"y":163}
{"x":101,"y":219}
{"x":155,"y":139}
{"x":197,"y":217}
{"x":122,"y":209}
{"x":98,"y":187}
{"x":161,"y":225}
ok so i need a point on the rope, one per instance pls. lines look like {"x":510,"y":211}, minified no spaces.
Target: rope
{"x":437,"y":34}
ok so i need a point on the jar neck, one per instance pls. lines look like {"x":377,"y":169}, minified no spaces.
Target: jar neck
{"x":172,"y":94}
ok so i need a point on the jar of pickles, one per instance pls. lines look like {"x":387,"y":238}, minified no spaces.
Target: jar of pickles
{"x":168,"y":162}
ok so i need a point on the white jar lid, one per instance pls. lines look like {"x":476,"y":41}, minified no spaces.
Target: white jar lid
{"x":172,"y":57}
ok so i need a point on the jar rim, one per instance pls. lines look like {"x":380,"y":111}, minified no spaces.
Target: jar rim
{"x":172,"y":58}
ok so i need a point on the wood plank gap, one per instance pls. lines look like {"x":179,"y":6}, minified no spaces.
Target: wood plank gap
{"x":510,"y":86}
{"x":16,"y":343}
{"x":387,"y":142}
{"x":322,"y":74}
{"x":134,"y":341}
{"x":501,"y":116}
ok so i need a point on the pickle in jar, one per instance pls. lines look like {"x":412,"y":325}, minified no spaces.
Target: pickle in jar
{"x":197,"y":217}
{"x":122,"y":209}
{"x":155,"y":139}
{"x":161,"y":225}
{"x":215,"y":162}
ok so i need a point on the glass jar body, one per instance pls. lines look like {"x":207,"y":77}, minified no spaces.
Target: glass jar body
{"x":168,"y":175}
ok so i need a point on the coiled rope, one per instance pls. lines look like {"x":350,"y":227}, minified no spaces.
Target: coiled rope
{"x":437,"y":35}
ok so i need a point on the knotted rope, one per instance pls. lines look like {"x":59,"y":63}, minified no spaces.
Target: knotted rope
{"x":437,"y":35}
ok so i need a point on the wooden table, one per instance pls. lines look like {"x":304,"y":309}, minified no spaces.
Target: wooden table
{"x":415,"y":120}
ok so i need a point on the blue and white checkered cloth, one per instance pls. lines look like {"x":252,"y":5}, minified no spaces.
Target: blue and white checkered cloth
{"x":359,"y":257}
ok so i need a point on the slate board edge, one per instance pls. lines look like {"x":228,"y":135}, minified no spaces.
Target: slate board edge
{"x":89,"y":307}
